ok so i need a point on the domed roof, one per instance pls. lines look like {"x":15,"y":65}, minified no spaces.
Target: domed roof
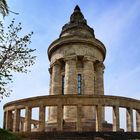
{"x":77,"y":25}
{"x":76,"y":31}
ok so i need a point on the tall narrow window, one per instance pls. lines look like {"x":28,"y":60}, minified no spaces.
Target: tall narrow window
{"x":63,"y":79}
{"x":79,"y":84}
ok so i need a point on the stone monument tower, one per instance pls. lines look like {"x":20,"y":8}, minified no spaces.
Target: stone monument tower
{"x":76,"y":67}
{"x":76,"y":101}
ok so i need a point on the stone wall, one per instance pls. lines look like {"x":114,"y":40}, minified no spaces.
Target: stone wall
{"x":12,"y":113}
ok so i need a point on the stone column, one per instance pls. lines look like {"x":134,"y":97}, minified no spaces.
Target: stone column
{"x":116,"y":121}
{"x":59,"y":117}
{"x":98,"y":118}
{"x":129,"y":118}
{"x":16,"y":120}
{"x":88,"y":73}
{"x":42,"y":118}
{"x":89,"y":112}
{"x":8,"y":120}
{"x":21,"y":125}
{"x":50,"y":108}
{"x":28,"y":114}
{"x":99,"y":78}
{"x":50,"y":71}
{"x":70,"y":87}
{"x":56,"y":78}
{"x":99,"y":82}
{"x":55,"y":88}
{"x":79,"y":116}
{"x":138,"y":120}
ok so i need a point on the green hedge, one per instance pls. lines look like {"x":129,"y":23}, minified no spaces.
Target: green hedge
{"x":6,"y":135}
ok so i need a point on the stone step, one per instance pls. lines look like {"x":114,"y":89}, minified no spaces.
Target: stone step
{"x":81,"y":136}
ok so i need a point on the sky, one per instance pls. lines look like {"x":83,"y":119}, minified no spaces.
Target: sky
{"x":116,"y":23}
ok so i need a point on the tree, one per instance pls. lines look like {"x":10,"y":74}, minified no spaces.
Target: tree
{"x":4,"y":8}
{"x":15,"y":56}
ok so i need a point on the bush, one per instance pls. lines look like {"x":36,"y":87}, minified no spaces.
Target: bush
{"x":6,"y":135}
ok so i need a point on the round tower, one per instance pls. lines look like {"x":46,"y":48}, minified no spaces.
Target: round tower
{"x":76,"y":101}
{"x":76,"y":67}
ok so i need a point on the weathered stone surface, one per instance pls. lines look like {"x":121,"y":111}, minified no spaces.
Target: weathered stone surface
{"x":80,"y":53}
{"x":76,"y":101}
{"x":76,"y":46}
{"x":73,"y":100}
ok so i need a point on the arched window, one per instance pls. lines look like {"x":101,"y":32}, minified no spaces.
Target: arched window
{"x":79,"y":78}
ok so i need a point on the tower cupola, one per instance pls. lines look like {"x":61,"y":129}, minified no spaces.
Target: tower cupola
{"x":77,"y":31}
{"x":77,"y":26}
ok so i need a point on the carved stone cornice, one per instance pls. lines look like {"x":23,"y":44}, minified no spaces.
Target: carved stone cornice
{"x":56,"y":62}
{"x":50,"y":70}
{"x":73,"y":40}
{"x":69,"y":58}
{"x":89,"y":58}
{"x":99,"y":66}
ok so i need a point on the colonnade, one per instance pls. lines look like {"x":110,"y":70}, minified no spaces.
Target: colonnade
{"x":92,"y":83}
{"x":14,"y":122}
{"x":92,"y":73}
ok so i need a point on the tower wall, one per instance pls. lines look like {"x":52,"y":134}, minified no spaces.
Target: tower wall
{"x":69,"y":60}
{"x":76,"y":67}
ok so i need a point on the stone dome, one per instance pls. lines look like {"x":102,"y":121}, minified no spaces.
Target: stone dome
{"x":77,"y":26}
{"x":76,"y":31}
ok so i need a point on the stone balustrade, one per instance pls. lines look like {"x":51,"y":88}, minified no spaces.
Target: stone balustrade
{"x":13,"y":120}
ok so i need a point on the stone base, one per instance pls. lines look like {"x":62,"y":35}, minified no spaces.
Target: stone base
{"x":79,"y":135}
{"x":86,"y":126}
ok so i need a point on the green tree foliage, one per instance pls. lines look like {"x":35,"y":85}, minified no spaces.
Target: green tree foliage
{"x":15,"y":56}
{"x":4,"y":8}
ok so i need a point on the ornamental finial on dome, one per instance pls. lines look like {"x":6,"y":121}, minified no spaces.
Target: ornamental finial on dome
{"x":77,"y":26}
{"x":77,"y":15}
{"x":77,"y":8}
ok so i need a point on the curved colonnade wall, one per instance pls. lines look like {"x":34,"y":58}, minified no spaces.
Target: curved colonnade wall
{"x":13,"y":120}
